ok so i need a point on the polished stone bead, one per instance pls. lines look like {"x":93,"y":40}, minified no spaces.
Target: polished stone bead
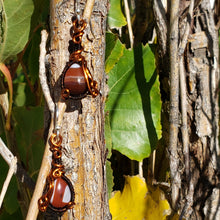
{"x":74,"y":80}
{"x":61,"y":193}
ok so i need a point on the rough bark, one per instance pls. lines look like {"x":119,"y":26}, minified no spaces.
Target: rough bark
{"x":83,"y":122}
{"x":195,"y":195}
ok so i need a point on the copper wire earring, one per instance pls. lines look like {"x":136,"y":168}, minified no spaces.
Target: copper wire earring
{"x":77,"y":80}
{"x":59,"y":192}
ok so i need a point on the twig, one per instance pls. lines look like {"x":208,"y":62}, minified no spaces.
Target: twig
{"x":45,"y":165}
{"x":161,"y":24}
{"x":45,"y":168}
{"x":186,"y":34}
{"x":12,"y":162}
{"x":20,"y":171}
{"x":174,"y":102}
{"x":6,"y":153}
{"x":41,"y":180}
{"x":127,"y":13}
{"x":46,"y":161}
{"x":140,"y":169}
{"x":42,"y":71}
{"x":153,"y":164}
{"x":183,"y":90}
{"x":184,"y":127}
{"x":88,"y":9}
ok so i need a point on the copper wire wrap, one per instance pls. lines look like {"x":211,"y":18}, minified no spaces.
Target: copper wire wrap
{"x":55,"y":172}
{"x":76,"y":57}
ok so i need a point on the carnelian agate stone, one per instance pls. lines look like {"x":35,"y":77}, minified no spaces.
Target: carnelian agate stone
{"x":61,"y":194}
{"x":74,"y":80}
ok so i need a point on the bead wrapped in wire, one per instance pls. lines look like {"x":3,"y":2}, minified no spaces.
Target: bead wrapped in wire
{"x":56,"y":173}
{"x":76,"y":58}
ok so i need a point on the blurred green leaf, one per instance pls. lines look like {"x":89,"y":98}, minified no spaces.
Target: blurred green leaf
{"x":10,"y":201}
{"x":116,"y":18}
{"x":6,"y":216}
{"x":29,"y":135}
{"x":33,"y":57}
{"x":134,"y":103}
{"x":15,"y":26}
{"x":41,"y":13}
{"x":19,"y":96}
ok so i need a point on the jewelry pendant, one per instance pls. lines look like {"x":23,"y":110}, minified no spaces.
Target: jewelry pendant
{"x":77,"y":80}
{"x":59,"y":193}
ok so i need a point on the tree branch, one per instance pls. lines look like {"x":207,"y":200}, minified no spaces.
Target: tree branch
{"x":88,"y":9}
{"x":174,"y":101}
{"x":127,"y":13}
{"x":12,"y":162}
{"x":14,"y":167}
{"x":42,"y":71}
{"x":46,"y":161}
{"x":11,"y":171}
{"x":161,"y":24}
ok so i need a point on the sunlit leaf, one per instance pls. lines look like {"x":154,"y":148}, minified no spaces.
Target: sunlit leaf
{"x":138,"y":201}
{"x":114,"y":50}
{"x":134,"y":103}
{"x":15,"y":26}
{"x":116,"y":18}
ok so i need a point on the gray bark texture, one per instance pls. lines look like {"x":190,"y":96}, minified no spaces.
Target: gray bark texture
{"x":190,"y":119}
{"x":82,"y":129}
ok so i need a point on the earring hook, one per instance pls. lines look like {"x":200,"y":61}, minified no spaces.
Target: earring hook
{"x":56,"y":118}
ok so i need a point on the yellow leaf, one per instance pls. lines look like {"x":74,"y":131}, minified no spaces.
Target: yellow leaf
{"x":137,"y":202}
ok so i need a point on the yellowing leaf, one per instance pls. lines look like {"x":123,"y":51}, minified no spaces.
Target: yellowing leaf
{"x":137,"y":202}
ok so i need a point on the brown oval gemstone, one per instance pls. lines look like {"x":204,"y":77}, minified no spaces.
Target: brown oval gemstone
{"x":61,"y":195}
{"x":74,"y":80}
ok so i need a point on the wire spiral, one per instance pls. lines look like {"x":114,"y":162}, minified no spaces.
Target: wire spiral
{"x":76,"y":57}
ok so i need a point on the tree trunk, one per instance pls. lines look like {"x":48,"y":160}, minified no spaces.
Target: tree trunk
{"x":189,"y":91}
{"x":82,"y":129}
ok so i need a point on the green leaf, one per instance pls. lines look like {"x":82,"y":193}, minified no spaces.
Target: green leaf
{"x":114,"y":50}
{"x":19,"y":96}
{"x":33,"y":57}
{"x":29,"y":135}
{"x":10,"y":201}
{"x":17,"y":215}
{"x":15,"y":26}
{"x":40,"y":14}
{"x":109,"y":177}
{"x":134,"y":103}
{"x":116,"y":18}
{"x":108,"y":137}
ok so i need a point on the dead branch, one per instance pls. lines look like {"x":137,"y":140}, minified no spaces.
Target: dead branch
{"x":88,"y":10}
{"x":174,"y":101}
{"x":42,"y":71}
{"x":128,"y":18}
{"x":161,"y":24}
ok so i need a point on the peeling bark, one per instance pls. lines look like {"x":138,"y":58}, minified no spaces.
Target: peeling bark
{"x":195,"y":193}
